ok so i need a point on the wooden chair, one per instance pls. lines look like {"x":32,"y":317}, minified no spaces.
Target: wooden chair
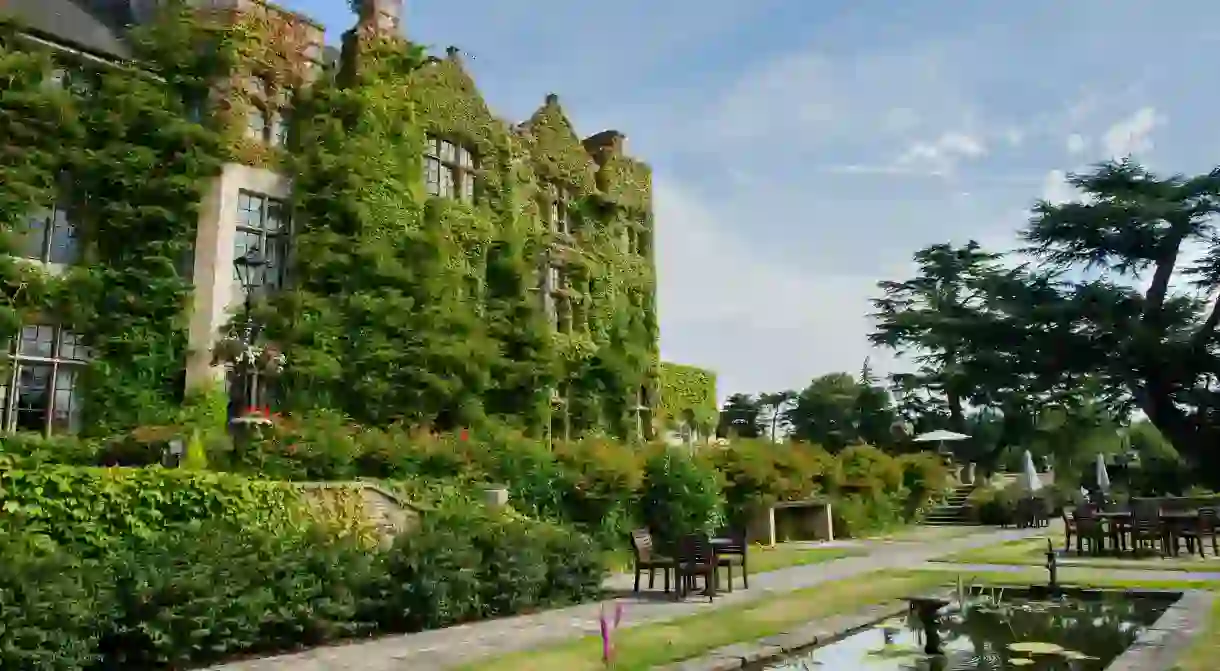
{"x":1089,"y":529}
{"x":1206,"y":528}
{"x":1069,"y":529}
{"x":1147,"y":529}
{"x":646,"y":559}
{"x":733,"y":553}
{"x":696,"y":557}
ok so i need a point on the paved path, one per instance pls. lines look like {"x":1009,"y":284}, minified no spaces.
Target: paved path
{"x":455,"y":646}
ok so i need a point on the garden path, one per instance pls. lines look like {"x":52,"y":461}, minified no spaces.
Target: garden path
{"x":454,"y":646}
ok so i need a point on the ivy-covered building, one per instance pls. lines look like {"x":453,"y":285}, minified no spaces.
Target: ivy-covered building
{"x":426,"y":262}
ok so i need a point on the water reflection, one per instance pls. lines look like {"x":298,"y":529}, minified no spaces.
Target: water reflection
{"x":999,"y":633}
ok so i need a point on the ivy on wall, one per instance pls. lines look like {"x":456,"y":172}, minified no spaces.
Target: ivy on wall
{"x":427,"y":310}
{"x":116,"y":147}
{"x":402,"y":307}
{"x":687,"y":393}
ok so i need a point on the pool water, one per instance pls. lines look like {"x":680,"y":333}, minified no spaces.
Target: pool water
{"x":994,"y":631}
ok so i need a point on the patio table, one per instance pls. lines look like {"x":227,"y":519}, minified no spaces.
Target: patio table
{"x":1175,"y":520}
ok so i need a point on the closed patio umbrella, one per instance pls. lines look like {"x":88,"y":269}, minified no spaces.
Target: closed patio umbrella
{"x":1103,"y":478}
{"x":1032,"y":482}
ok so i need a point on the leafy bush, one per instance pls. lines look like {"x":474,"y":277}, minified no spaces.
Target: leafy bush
{"x":204,"y":593}
{"x":95,"y":507}
{"x":49,"y":603}
{"x":30,"y":450}
{"x":680,"y":496}
{"x":925,"y":478}
{"x":472,"y":562}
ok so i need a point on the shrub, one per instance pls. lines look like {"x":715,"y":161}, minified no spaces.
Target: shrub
{"x":94,"y":507}
{"x":860,"y":513}
{"x":925,"y":477}
{"x":680,"y":496}
{"x":204,"y":593}
{"x":868,"y":469}
{"x":49,"y":605}
{"x":30,"y":450}
{"x":471,"y":562}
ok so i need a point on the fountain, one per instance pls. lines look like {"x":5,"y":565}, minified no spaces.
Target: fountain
{"x":927,"y":609}
{"x":1052,"y":567}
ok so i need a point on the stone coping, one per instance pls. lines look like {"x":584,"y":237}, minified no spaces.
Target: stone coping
{"x":364,"y":484}
{"x":1161,"y":645}
{"x":1156,"y":649}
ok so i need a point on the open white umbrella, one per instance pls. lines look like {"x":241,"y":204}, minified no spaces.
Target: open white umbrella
{"x":938,"y":436}
{"x":1032,"y":482}
{"x":1103,"y":478}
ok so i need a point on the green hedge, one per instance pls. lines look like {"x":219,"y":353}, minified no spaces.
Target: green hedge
{"x":603,"y":487}
{"x":199,"y":593}
{"x":96,"y":507}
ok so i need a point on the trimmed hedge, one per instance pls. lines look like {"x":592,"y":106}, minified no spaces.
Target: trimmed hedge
{"x":204,"y":592}
{"x":96,"y":507}
{"x":603,"y":487}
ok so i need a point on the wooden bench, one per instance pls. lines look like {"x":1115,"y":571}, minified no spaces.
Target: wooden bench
{"x":808,"y":520}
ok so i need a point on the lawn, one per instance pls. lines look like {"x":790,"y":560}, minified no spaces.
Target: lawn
{"x":650,"y":645}
{"x":1032,"y":552}
{"x":786,"y":555}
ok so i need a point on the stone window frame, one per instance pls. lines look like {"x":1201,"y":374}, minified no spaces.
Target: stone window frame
{"x":450,"y":169}
{"x":264,"y":121}
{"x":44,"y":346}
{"x":559,"y":207}
{"x":255,"y":211}
{"x":57,"y":233}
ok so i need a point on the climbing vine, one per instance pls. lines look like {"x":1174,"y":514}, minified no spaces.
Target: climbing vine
{"x":687,"y":393}
{"x":402,"y":307}
{"x":426,"y":310}
{"x":114,"y":146}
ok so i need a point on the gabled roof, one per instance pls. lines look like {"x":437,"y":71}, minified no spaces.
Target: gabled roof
{"x":93,"y":27}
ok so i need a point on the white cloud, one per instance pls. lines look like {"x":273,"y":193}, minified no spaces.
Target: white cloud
{"x":1056,"y":189}
{"x":940,"y":156}
{"x":1076,"y":144}
{"x":762,"y":322}
{"x":1133,"y":134}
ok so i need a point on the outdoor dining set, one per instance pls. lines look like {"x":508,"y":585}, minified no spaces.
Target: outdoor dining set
{"x":1143,"y":525}
{"x":692,"y":556}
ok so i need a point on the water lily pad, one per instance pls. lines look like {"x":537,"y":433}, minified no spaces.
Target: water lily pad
{"x":1036,"y":648}
{"x":1020,"y":661}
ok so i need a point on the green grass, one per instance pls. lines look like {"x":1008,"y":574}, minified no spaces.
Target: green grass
{"x":1203,"y":652}
{"x":651,"y":645}
{"x":1032,"y":552}
{"x":785,"y":555}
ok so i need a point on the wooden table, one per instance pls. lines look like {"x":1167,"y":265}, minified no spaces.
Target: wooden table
{"x":1174,"y":520}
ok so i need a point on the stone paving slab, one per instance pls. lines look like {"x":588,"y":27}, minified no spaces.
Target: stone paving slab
{"x":454,"y":646}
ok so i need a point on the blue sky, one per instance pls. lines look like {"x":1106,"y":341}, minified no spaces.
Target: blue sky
{"x":804,"y":150}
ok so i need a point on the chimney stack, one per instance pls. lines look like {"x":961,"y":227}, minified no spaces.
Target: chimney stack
{"x":381,"y":17}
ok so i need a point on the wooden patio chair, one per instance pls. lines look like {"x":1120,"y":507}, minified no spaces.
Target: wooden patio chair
{"x":733,"y":553}
{"x":1147,"y":528}
{"x":696,"y":557}
{"x":1088,"y":528}
{"x":1206,"y":528}
{"x":646,"y":559}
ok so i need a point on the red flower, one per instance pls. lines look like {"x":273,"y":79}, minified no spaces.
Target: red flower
{"x":464,"y":435}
